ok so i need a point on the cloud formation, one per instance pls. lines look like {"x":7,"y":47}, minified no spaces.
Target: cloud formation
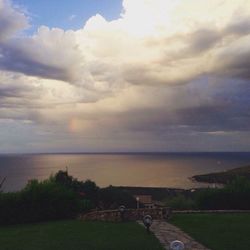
{"x":164,"y":71}
{"x":11,"y":20}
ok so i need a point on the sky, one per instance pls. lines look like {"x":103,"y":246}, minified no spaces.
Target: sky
{"x":67,"y":14}
{"x":124,"y":76}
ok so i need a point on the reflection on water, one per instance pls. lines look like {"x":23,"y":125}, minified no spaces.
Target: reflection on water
{"x":149,"y":170}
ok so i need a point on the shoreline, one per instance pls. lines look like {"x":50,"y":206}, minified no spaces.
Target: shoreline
{"x":224,"y":177}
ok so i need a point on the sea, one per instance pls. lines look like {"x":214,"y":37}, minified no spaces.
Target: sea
{"x":173,"y":170}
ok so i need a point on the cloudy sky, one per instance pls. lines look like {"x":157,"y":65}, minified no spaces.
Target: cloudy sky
{"x":131,"y":75}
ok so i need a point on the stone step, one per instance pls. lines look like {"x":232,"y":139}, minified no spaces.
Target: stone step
{"x":166,"y":233}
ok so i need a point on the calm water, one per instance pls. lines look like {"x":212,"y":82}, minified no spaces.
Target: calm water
{"x":149,"y":170}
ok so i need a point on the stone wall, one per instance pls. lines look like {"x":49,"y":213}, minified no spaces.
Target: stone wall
{"x":209,"y":211}
{"x":128,"y":215}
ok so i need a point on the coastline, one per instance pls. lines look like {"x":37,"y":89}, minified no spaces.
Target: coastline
{"x":223,"y":177}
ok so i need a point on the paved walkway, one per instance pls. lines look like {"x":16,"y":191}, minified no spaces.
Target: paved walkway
{"x":167,"y":233}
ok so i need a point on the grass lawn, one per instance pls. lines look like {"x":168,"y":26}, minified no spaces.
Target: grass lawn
{"x":217,"y":231}
{"x":77,"y":235}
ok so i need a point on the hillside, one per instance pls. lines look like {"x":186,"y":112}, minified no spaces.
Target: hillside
{"x":223,"y":177}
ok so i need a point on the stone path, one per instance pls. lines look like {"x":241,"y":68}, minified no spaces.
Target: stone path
{"x":167,"y":233}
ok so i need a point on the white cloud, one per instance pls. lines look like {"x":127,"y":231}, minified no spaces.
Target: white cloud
{"x":151,"y":43}
{"x":11,"y":20}
{"x":72,"y":17}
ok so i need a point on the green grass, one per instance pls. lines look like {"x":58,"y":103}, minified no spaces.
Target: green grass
{"x":77,"y":235}
{"x":217,"y":231}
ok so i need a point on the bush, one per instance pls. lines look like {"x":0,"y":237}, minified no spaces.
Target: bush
{"x":235,"y":195}
{"x":104,"y":198}
{"x":59,"y":197}
{"x":87,"y":190}
{"x":112,"y":198}
{"x":39,"y":201}
{"x":181,"y":202}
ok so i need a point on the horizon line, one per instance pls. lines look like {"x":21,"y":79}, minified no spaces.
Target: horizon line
{"x":124,"y":152}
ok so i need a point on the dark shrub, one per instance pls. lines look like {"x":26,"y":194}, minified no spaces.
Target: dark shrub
{"x":112,"y":197}
{"x":87,"y":190}
{"x":59,"y":197}
{"x":39,"y":201}
{"x":235,"y":195}
{"x":181,"y":202}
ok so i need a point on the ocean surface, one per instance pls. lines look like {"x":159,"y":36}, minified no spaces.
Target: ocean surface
{"x":144,"y":169}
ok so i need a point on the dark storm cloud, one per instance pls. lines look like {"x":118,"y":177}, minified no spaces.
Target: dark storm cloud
{"x":238,"y":27}
{"x":234,"y":63}
{"x":225,"y":108}
{"x":209,"y":119}
{"x":16,"y":59}
{"x":21,"y":91}
{"x":203,"y":40}
{"x":13,"y":91}
{"x":20,"y":101}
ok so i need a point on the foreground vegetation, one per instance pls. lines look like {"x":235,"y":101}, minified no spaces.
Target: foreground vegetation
{"x":77,"y":235}
{"x":234,"y":195}
{"x":64,"y":197}
{"x":59,"y":197}
{"x":217,"y":231}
